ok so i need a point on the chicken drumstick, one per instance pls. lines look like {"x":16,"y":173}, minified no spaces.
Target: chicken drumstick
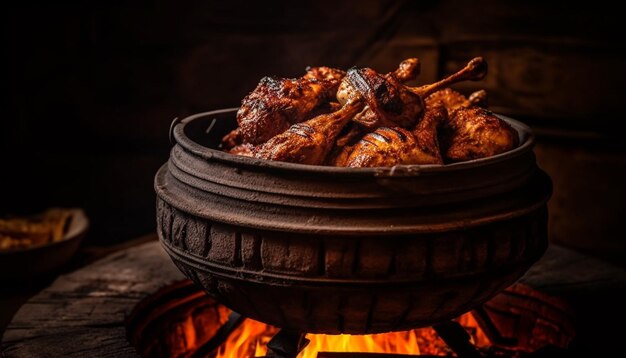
{"x":453,"y":100}
{"x":309,"y":142}
{"x":275,"y":104}
{"x":392,"y":104}
{"x":387,"y":146}
{"x":471,"y":132}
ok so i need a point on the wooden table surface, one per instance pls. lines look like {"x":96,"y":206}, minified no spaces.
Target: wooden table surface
{"x":14,"y":294}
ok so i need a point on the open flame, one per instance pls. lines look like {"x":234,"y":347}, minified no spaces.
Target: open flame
{"x":251,"y":338}
{"x":179,"y":323}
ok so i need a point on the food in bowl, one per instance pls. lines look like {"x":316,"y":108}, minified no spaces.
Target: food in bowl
{"x":361,"y":118}
{"x":23,"y":232}
{"x":331,"y":249}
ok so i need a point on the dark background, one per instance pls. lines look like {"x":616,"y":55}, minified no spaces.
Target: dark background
{"x":91,"y":88}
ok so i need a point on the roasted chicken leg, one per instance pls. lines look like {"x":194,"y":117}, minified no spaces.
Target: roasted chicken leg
{"x":268,"y":111}
{"x":276,"y":104}
{"x":453,"y":100}
{"x":389,"y":103}
{"x":387,"y":146}
{"x":407,"y":70}
{"x":471,"y":132}
{"x":309,"y":142}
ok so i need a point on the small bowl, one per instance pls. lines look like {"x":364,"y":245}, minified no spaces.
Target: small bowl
{"x":45,"y":259}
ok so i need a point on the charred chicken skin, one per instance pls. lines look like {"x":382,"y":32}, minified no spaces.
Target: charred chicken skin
{"x":407,"y":70}
{"x":246,"y":150}
{"x":389,"y":103}
{"x":386,"y":147}
{"x":276,"y":104}
{"x":393,"y":105}
{"x":311,"y":141}
{"x":323,"y":73}
{"x":474,"y":132}
{"x":378,"y":121}
{"x":454,"y":100}
{"x":471,"y":132}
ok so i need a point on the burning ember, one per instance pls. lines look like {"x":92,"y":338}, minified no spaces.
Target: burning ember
{"x":251,"y":338}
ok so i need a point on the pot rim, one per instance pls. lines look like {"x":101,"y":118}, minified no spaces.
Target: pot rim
{"x":527,"y":141}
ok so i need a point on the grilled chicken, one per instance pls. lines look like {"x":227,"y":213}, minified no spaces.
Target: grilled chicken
{"x":311,"y":141}
{"x":386,"y":96}
{"x":471,"y":132}
{"x":324,"y":73}
{"x":406,"y":125}
{"x":389,"y":103}
{"x":231,"y":140}
{"x":389,"y":146}
{"x":277,"y":103}
{"x":246,"y":150}
{"x":344,"y":145}
{"x":407,"y":70}
{"x":453,"y":100}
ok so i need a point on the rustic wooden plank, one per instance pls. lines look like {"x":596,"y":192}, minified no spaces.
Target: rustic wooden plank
{"x":82,"y":313}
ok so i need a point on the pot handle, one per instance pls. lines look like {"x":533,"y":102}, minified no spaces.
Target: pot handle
{"x":175,"y":121}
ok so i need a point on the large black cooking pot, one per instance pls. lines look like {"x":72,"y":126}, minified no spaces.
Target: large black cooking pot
{"x":345,"y":250}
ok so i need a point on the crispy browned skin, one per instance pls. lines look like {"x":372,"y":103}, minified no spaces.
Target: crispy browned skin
{"x":450,"y":98}
{"x":453,"y":100}
{"x":232,"y":139}
{"x":344,"y":144}
{"x":387,"y":147}
{"x":473,"y":132}
{"x":246,"y":149}
{"x":407,"y":70}
{"x":311,"y":141}
{"x":389,"y":103}
{"x":478,"y":98}
{"x":277,"y":103}
{"x":324,"y":73}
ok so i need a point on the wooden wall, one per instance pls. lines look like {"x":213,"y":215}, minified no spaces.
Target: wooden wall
{"x":93,"y":87}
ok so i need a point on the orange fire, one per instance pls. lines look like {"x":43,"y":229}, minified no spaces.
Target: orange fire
{"x":251,"y":338}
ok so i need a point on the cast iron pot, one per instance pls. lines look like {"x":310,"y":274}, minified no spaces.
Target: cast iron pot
{"x":344,"y":250}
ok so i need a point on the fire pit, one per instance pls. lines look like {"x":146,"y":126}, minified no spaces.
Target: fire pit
{"x":341,"y":250}
{"x":179,"y":320}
